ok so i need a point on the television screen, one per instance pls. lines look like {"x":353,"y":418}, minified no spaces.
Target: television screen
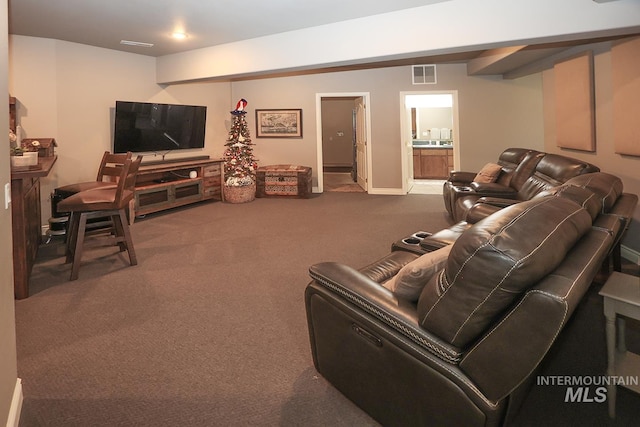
{"x":151,"y":127}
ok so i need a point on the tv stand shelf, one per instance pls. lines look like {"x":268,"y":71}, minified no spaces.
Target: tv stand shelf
{"x":161,"y":186}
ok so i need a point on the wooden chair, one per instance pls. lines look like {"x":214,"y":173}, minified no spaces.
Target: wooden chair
{"x":108,"y":172}
{"x":110,"y":204}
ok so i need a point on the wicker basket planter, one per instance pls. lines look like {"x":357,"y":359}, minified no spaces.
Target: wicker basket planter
{"x":239,"y":194}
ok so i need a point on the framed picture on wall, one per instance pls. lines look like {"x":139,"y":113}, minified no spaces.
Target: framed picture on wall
{"x":279,"y":123}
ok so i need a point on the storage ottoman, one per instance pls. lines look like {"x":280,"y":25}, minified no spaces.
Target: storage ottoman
{"x":283,"y":181}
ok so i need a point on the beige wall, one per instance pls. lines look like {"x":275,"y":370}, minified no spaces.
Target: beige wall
{"x":70,"y":93}
{"x":626,"y":167}
{"x":494,"y":114}
{"x":8,"y":367}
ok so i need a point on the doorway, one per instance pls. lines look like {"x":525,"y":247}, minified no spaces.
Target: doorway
{"x":343,"y":135}
{"x":430,"y":143}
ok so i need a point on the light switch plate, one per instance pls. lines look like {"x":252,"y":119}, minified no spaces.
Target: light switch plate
{"x":7,"y":195}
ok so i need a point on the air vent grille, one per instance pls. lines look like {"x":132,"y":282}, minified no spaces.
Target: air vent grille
{"x":424,"y":74}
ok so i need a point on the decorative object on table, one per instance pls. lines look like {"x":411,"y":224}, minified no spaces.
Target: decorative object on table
{"x":279,"y":123}
{"x":22,"y":159}
{"x":239,"y":164}
{"x":44,"y":146}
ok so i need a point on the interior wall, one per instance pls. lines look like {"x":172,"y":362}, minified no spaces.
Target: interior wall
{"x":70,"y":95}
{"x":604,"y":156}
{"x":436,"y":117}
{"x":8,"y":364}
{"x":494,"y":114}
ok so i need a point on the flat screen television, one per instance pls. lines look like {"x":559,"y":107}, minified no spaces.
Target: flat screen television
{"x":151,"y":127}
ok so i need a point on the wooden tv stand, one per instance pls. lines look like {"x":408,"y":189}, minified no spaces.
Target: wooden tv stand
{"x":167,"y":185}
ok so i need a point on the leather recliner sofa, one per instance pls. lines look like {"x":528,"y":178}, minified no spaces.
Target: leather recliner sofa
{"x":524,"y":174}
{"x":462,"y":350}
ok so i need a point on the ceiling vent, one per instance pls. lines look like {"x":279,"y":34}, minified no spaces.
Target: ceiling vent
{"x":424,"y":74}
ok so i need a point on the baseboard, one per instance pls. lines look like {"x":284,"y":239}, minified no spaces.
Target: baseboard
{"x":630,"y":255}
{"x":386,"y":191}
{"x":16,"y":405}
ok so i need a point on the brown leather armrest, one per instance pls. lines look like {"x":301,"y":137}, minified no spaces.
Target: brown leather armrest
{"x":493,"y":188}
{"x":461,"y":176}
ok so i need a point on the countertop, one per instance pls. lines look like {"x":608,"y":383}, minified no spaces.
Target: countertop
{"x":431,"y":143}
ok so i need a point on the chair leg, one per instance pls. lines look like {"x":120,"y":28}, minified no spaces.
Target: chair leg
{"x":123,"y":225}
{"x":118,"y":231}
{"x":77,"y":246}
{"x":72,"y":232}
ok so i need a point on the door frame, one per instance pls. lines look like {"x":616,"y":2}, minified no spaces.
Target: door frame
{"x":366,"y":98}
{"x":406,"y":155}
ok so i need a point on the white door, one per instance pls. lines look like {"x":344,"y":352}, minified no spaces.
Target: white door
{"x":361,"y":143}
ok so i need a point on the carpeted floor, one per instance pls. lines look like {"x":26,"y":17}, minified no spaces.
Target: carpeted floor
{"x":209,"y":329}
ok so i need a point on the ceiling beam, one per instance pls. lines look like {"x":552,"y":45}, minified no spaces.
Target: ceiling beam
{"x":483,"y":63}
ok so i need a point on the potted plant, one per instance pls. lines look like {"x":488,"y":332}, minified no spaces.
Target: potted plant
{"x":239,"y":164}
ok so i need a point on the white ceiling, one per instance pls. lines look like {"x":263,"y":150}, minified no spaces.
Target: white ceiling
{"x":214,"y":22}
{"x":207,"y":22}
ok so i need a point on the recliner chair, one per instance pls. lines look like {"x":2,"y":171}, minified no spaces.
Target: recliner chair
{"x":462,"y":353}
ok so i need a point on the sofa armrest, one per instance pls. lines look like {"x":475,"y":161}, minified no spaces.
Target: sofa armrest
{"x":494,"y":189}
{"x":624,"y":207}
{"x":498,"y":202}
{"x":462,"y":176}
{"x":486,"y":206}
{"x":370,"y":297}
{"x":480,"y":211}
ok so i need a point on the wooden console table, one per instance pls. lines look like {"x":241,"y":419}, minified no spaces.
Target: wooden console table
{"x":167,"y":185}
{"x":25,"y":214}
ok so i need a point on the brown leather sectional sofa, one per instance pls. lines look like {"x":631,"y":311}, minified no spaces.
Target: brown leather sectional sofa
{"x":525,"y":173}
{"x":461,"y":346}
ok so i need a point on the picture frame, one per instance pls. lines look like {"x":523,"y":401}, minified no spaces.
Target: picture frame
{"x":282,"y":123}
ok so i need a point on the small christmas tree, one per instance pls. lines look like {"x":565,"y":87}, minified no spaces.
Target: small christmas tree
{"x":239,"y":164}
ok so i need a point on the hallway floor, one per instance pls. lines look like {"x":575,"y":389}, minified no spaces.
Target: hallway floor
{"x":426,"y":186}
{"x":340,"y":181}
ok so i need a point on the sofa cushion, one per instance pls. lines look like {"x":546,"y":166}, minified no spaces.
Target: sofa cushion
{"x":494,"y":262}
{"x":488,"y":173}
{"x":411,"y":278}
{"x":606,"y":187}
{"x":585,"y":198}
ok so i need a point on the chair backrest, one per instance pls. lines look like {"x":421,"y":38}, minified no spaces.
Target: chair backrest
{"x":126,"y":181}
{"x":553,"y":170}
{"x":509,"y":159}
{"x":111,"y":165}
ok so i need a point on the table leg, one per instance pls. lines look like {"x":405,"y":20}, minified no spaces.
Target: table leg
{"x":622,"y":341}
{"x":611,"y":362}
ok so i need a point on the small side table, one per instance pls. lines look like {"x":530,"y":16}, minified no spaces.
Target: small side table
{"x":621,"y":295}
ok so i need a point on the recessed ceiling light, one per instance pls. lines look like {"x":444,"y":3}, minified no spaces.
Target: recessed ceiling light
{"x":179,"y":35}
{"x":132,"y":43}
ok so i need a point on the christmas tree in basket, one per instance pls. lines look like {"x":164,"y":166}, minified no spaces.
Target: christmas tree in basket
{"x":239,"y":164}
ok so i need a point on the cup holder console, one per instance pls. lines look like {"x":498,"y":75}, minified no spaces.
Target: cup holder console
{"x":463,"y":189}
{"x":412,"y":242}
